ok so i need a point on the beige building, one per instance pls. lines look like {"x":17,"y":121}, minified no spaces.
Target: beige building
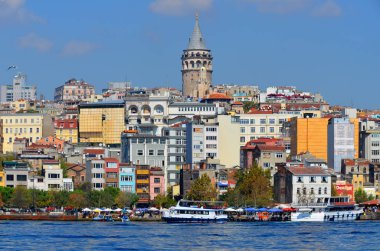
{"x":228,"y":142}
{"x":32,"y":126}
{"x":101,"y":122}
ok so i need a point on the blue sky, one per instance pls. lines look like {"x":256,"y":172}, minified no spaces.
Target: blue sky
{"x":326,"y":46}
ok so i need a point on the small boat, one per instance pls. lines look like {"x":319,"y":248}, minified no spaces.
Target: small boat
{"x":125,"y":218}
{"x":102,"y":217}
{"x":187,"y":212}
{"x":334,"y":209}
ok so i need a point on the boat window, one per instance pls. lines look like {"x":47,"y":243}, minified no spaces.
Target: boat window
{"x":206,"y":212}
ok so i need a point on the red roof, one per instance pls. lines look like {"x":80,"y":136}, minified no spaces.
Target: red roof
{"x":218,"y":96}
{"x":270,"y":148}
{"x":50,"y":161}
{"x":255,"y":111}
{"x":111,"y":160}
{"x":307,"y":170}
{"x":371,"y":202}
{"x":93,"y":151}
{"x":237,"y":103}
{"x":66,"y":123}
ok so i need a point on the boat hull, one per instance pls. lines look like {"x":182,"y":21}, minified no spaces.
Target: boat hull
{"x":193,"y":220}
{"x":326,"y":216}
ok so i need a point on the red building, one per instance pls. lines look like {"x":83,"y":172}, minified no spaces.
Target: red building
{"x":112,"y":172}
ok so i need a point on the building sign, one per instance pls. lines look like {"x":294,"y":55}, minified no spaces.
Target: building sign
{"x":345,"y":190}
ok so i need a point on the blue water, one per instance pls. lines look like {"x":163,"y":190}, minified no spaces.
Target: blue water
{"x":43,"y":235}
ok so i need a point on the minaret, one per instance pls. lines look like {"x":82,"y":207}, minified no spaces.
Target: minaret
{"x":196,"y":66}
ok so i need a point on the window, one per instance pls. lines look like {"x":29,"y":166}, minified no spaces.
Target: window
{"x":262,"y":129}
{"x":97,"y":185}
{"x":299,"y":191}
{"x":126,"y":188}
{"x":272,"y":121}
{"x":211,"y":129}
{"x":266,"y":164}
{"x":53,"y":175}
{"x":10,"y":177}
{"x":160,"y":152}
{"x":37,"y":129}
{"x":140,"y":152}
{"x":312,"y":190}
{"x":54,"y":186}
{"x":151,"y":152}
{"x":376,"y":143}
{"x":211,"y":146}
{"x":98,"y":165}
{"x":375,"y":152}
{"x":325,"y":190}
{"x":263,"y":121}
{"x":304,"y":190}
{"x":126,"y":178}
{"x":312,"y":179}
{"x":324,"y":179}
{"x":210,"y":137}
{"x":157,"y":190}
{"x":253,"y":129}
{"x":320,"y":190}
{"x":244,"y":121}
{"x":252,"y":121}
{"x":299,"y":179}
{"x":242,"y":129}
{"x":21,"y":177}
{"x":364,"y":170}
{"x":278,"y":155}
{"x":281,"y":121}
{"x":156,"y":180}
{"x":352,"y":169}
{"x":31,"y":130}
{"x":242,"y":139}
{"x":271,"y":129}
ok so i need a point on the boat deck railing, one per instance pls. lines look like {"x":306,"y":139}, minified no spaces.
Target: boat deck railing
{"x":310,"y":205}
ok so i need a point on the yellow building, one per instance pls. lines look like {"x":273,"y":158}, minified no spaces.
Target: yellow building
{"x":228,"y":142}
{"x":32,"y":126}
{"x":356,"y":136}
{"x":67,"y":130}
{"x":309,"y":135}
{"x":2,"y":179}
{"x":21,"y":105}
{"x":102,"y":122}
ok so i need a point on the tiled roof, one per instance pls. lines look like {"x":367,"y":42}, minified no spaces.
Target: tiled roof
{"x":50,"y":161}
{"x":218,"y":96}
{"x":307,"y":171}
{"x":66,"y":123}
{"x":93,"y":151}
{"x":111,"y":160}
{"x":255,"y":111}
{"x":270,"y":148}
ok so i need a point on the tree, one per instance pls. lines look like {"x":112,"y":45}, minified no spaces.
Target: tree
{"x":58,"y":198}
{"x":361,"y":196}
{"x":248,"y":105}
{"x":21,"y":197}
{"x":334,"y":192}
{"x":253,"y":186}
{"x":232,"y":197}
{"x":126,"y":199}
{"x":202,"y":189}
{"x":6,"y":194}
{"x":1,"y":201}
{"x":77,"y":199}
{"x":64,"y":167}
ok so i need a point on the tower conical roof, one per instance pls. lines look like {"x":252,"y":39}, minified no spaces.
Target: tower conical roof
{"x":196,"y":41}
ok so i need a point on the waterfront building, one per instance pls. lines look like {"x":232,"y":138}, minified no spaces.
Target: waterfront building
{"x":228,"y":142}
{"x":53,"y":173}
{"x":73,"y":90}
{"x":37,"y":182}
{"x":142,"y":183}
{"x":16,"y":173}
{"x":196,"y":66}
{"x":157,"y":182}
{"x":18,"y":90}
{"x":300,"y":185}
{"x":370,"y":144}
{"x":101,"y":123}
{"x":309,"y":135}
{"x":67,"y":130}
{"x":95,"y":173}
{"x":127,"y":178}
{"x":343,"y":141}
{"x":32,"y":126}
{"x":111,"y":172}
{"x":356,"y":172}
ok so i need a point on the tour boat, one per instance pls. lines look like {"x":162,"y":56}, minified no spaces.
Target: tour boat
{"x":334,"y":209}
{"x":190,"y":212}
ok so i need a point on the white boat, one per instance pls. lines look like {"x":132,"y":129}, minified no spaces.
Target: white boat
{"x":334,"y":209}
{"x":188,"y":212}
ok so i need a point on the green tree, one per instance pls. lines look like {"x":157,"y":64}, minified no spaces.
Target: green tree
{"x":232,"y":197}
{"x":202,"y":189}
{"x":6,"y":194}
{"x":64,"y":167}
{"x":253,"y":186}
{"x":361,"y":196}
{"x":126,"y":199}
{"x":40,"y":198}
{"x":248,"y":105}
{"x":58,"y":198}
{"x":77,"y":199}
{"x":85,"y":187}
{"x":334,"y":192}
{"x":21,"y":197}
{"x":1,"y":201}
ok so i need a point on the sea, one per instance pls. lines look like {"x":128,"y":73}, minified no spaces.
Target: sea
{"x":45,"y":235}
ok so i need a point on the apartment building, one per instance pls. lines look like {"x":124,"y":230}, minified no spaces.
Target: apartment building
{"x":67,"y":130}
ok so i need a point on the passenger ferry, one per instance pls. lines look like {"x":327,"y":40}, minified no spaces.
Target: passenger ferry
{"x":333,"y":209}
{"x":190,"y":212}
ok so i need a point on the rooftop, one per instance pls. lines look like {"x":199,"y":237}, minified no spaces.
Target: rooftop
{"x":307,"y":171}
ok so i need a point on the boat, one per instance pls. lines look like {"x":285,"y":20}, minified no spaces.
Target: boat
{"x":102,"y":217}
{"x":333,"y":209}
{"x":125,"y":218}
{"x":194,"y":212}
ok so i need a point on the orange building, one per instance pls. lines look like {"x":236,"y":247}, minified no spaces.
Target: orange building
{"x":309,"y":135}
{"x":52,"y":141}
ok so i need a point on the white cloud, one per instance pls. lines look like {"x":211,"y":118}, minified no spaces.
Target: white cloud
{"x":15,"y":11}
{"x":179,"y":7}
{"x":34,"y":41}
{"x":328,"y":9}
{"x":78,"y":48}
{"x":280,"y":6}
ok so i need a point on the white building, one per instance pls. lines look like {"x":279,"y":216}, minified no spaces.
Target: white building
{"x":95,"y":173}
{"x":191,"y":109}
{"x":18,"y":90}
{"x":53,"y":174}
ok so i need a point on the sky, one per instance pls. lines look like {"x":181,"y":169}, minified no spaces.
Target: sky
{"x":326,"y":46}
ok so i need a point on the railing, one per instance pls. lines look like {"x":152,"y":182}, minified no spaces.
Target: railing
{"x":310,"y":205}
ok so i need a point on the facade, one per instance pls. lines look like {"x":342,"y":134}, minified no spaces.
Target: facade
{"x":142,"y":183}
{"x":196,"y":66}
{"x":191,"y":109}
{"x":343,"y":141}
{"x":101,"y":123}
{"x":157,"y":182}
{"x":18,"y":90}
{"x":16,"y":173}
{"x":300,"y":185}
{"x":53,"y":142}
{"x":112,"y":172}
{"x":370,"y":141}
{"x":73,"y":90}
{"x":53,"y":174}
{"x":309,"y":135}
{"x":77,"y":173}
{"x":127,"y":178}
{"x":32,"y":126}
{"x":356,"y":172}
{"x":95,"y":173}
{"x":67,"y":130}
{"x":261,"y":125}
{"x":228,"y":142}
